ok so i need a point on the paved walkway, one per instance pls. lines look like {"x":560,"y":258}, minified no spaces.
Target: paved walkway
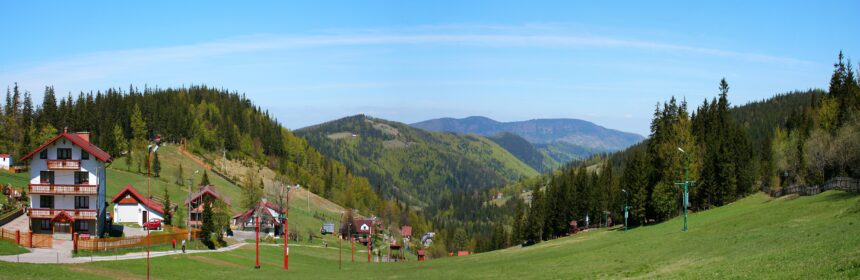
{"x":21,"y":223}
{"x":62,"y":253}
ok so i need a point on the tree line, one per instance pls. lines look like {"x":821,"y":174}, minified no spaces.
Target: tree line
{"x":123,"y":122}
{"x":790,"y":139}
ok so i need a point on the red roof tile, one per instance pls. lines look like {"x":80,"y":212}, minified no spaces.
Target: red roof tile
{"x":141,"y":199}
{"x":95,"y":151}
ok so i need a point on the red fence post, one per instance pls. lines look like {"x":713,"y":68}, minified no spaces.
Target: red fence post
{"x":76,"y":242}
{"x":31,"y":239}
{"x":18,"y":237}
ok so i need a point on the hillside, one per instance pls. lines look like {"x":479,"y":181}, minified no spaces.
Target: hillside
{"x":524,"y":151}
{"x":304,"y":216}
{"x":757,"y":237}
{"x":581,"y":133}
{"x":412,"y":164}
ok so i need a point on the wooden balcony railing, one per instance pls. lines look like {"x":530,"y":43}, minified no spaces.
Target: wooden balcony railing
{"x":64,"y":164}
{"x":78,"y":214}
{"x":63,"y":189}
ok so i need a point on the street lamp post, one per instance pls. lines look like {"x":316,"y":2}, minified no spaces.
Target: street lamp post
{"x":188,"y":220}
{"x":686,"y":183}
{"x":626,"y":199}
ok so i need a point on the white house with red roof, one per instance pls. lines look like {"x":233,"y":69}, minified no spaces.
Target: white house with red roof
{"x":67,"y":186}
{"x":270,"y":218}
{"x":5,"y":161}
{"x":129,"y":206}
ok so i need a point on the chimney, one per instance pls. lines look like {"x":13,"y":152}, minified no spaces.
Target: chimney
{"x":84,"y":135}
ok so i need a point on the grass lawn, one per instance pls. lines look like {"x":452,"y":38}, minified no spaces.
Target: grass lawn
{"x":10,"y":248}
{"x":757,"y":237}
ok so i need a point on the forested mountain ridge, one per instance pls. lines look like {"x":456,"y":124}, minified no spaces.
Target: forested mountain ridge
{"x":524,"y":151}
{"x":540,"y":131}
{"x":412,"y":164}
{"x":212,"y":120}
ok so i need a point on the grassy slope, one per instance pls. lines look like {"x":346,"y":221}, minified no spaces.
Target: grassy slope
{"x":118,"y":176}
{"x":10,"y":248}
{"x":757,"y":237}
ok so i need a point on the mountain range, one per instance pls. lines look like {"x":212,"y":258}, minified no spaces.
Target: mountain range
{"x":562,"y":140}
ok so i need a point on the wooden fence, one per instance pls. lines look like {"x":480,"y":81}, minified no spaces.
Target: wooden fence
{"x":27,"y":239}
{"x":838,"y":183}
{"x":103,"y":244}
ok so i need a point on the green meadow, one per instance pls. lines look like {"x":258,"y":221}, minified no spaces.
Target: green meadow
{"x":757,"y":237}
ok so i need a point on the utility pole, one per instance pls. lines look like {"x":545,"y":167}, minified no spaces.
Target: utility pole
{"x":340,"y":245}
{"x":257,"y":237}
{"x":286,"y":222}
{"x":188,"y":220}
{"x":626,"y":198}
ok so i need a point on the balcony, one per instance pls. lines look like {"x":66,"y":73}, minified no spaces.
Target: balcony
{"x":77,"y":214}
{"x":64,"y":189}
{"x":64,"y":164}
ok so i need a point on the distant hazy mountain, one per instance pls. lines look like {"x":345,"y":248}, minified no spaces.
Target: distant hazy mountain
{"x":541,"y":132}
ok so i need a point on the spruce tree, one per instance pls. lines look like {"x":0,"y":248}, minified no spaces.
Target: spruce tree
{"x":168,"y":213}
{"x":156,"y":165}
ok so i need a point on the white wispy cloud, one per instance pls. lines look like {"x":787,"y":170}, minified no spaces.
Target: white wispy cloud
{"x":94,"y":66}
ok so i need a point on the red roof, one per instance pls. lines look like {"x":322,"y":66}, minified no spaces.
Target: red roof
{"x":406,"y":230}
{"x":4,"y":155}
{"x":207,"y":190}
{"x":95,"y":151}
{"x":141,"y":199}
{"x":362,"y":222}
{"x":259,"y":205}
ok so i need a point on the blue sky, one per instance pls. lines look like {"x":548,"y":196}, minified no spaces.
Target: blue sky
{"x":313,"y":61}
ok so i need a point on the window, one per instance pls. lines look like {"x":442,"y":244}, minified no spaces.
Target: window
{"x":43,"y":154}
{"x":85,"y":155}
{"x":45,"y":224}
{"x":46,"y":201}
{"x":82,"y":178}
{"x":46,"y":177}
{"x":64,"y":153}
{"x":82,"y":202}
{"x":83,"y":225}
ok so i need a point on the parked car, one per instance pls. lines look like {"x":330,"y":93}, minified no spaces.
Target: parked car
{"x":153,"y":224}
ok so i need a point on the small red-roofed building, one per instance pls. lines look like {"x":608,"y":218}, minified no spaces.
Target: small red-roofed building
{"x":132,"y":207}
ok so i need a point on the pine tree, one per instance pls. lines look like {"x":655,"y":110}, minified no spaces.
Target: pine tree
{"x":208,"y":226}
{"x":119,"y":142}
{"x":635,"y":180}
{"x":518,"y":224}
{"x":138,"y":128}
{"x":205,"y":180}
{"x":168,"y":212}
{"x":534,"y":231}
{"x":180,"y":177}
{"x":156,"y":165}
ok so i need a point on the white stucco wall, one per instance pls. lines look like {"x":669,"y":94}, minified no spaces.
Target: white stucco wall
{"x":5,"y":163}
{"x":133,"y":213}
{"x":64,"y":177}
